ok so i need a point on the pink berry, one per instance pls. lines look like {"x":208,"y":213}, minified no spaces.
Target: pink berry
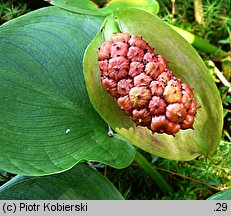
{"x":120,"y":37}
{"x":105,"y":50}
{"x":119,"y":49}
{"x":142,"y":80}
{"x":110,"y":85}
{"x":135,"y":69}
{"x":157,"y":106}
{"x":154,"y":69}
{"x":137,"y":41}
{"x":124,"y":86}
{"x":125,"y":104}
{"x":135,"y":54}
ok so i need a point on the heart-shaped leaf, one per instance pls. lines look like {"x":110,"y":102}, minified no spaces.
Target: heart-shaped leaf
{"x":105,"y":7}
{"x":222,"y":195}
{"x":47,"y":122}
{"x":185,"y":63}
{"x":79,"y":183}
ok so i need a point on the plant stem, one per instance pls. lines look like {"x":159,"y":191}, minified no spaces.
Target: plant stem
{"x":111,"y":27}
{"x":224,"y":81}
{"x":198,"y":11}
{"x":150,"y":170}
{"x":173,"y":10}
{"x":198,"y":43}
{"x":189,"y":178}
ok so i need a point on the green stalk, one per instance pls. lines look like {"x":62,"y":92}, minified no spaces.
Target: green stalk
{"x":198,"y":43}
{"x":198,"y":11}
{"x":151,"y":171}
{"x":111,"y":26}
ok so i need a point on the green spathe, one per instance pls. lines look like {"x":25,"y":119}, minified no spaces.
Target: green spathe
{"x":185,"y":63}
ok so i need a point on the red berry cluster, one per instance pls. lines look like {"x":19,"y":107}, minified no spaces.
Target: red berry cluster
{"x":143,"y":86}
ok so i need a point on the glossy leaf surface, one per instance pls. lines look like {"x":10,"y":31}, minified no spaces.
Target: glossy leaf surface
{"x":103,"y":9}
{"x":185,"y":63}
{"x":47,"y":122}
{"x":79,"y":183}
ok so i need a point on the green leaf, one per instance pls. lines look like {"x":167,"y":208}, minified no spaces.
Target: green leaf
{"x":79,"y":183}
{"x":47,"y":122}
{"x":224,"y":41}
{"x":185,"y":63}
{"x":227,"y":99}
{"x":103,"y":9}
{"x":223,"y":195}
{"x":227,"y":63}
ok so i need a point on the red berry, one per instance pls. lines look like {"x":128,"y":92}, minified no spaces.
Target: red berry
{"x":157,"y":106}
{"x":141,"y":116}
{"x":176,"y":112}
